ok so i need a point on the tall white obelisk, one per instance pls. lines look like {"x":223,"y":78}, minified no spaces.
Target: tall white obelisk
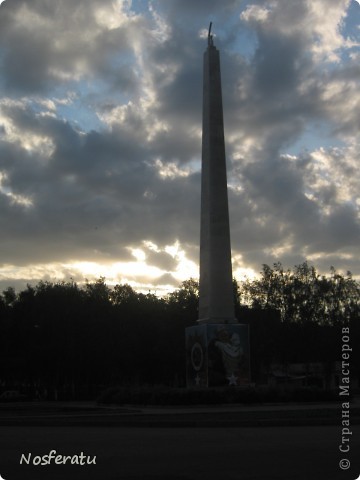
{"x":217,"y":348}
{"x":216,"y":304}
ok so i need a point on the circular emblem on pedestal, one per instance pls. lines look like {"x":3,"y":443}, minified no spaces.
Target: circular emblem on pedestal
{"x":197,"y":356}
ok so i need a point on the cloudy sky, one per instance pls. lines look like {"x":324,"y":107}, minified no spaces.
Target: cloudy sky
{"x":100,"y":136}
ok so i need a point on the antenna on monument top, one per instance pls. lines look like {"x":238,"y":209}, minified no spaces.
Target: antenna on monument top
{"x":210,"y":37}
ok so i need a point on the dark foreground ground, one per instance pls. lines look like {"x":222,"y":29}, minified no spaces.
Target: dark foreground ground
{"x":176,"y":449}
{"x":122,"y":453}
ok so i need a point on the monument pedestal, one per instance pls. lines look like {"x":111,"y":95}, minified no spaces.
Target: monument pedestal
{"x":217,"y":355}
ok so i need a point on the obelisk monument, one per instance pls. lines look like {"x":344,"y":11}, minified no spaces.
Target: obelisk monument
{"x":216,"y":304}
{"x":217,"y":347}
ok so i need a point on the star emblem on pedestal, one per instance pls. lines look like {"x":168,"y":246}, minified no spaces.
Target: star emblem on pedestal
{"x":197,"y":382}
{"x":232,"y":379}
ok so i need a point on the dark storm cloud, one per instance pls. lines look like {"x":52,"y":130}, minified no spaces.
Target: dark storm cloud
{"x":91,"y":193}
{"x":188,"y":88}
{"x":45,"y":44}
{"x":279,"y":187}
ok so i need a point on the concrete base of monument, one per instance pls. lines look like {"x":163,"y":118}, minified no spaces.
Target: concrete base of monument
{"x":217,"y":355}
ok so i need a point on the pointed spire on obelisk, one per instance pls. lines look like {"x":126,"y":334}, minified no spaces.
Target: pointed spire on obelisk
{"x":210,"y":37}
{"x":216,"y":304}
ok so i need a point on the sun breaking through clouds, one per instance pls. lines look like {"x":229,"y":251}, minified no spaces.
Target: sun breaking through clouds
{"x":100,"y":136}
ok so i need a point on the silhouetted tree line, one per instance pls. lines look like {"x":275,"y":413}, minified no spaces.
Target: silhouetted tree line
{"x":60,"y":340}
{"x":302,"y":295}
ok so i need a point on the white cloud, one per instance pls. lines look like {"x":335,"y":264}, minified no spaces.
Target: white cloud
{"x":170,"y":170}
{"x":255,"y":13}
{"x":316,"y":22}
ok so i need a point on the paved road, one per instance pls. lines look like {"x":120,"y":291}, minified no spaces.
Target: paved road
{"x":77,"y":414}
{"x":281,"y":453}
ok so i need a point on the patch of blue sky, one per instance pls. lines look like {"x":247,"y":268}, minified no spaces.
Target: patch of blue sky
{"x":314,"y":137}
{"x":83,"y":116}
{"x":350,"y":30}
{"x":351,"y":25}
{"x":140,"y":7}
{"x":245,"y":44}
{"x":80,"y":103}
